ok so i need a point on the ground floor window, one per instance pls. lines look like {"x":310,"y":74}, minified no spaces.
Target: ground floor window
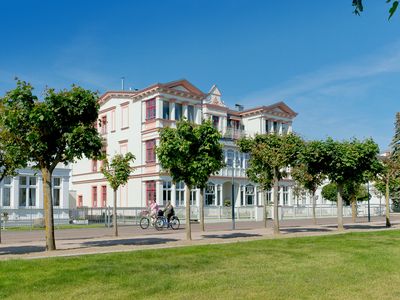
{"x":268,"y":197}
{"x":6,"y":192}
{"x":150,"y":192}
{"x":56,"y":191}
{"x":180,"y":194}
{"x":103,"y":196}
{"x":27,"y":191}
{"x":94,"y":196}
{"x":219,"y":194}
{"x":167,"y":190}
{"x":249,"y":195}
{"x":285,"y":192}
{"x":193,"y":197}
{"x":210,"y":194}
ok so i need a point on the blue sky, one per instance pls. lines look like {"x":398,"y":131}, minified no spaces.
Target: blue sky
{"x":340,"y":72}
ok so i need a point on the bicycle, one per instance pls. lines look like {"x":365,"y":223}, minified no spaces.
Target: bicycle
{"x":162,"y":222}
{"x":145,"y":220}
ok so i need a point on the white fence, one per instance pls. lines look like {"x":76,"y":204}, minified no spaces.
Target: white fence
{"x":131,"y":215}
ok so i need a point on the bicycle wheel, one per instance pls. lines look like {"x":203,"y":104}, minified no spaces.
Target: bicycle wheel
{"x":174,"y":223}
{"x":159,"y":224}
{"x":144,"y":223}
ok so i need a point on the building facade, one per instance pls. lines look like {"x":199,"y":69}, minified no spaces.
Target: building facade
{"x":131,"y":120}
{"x":25,"y":191}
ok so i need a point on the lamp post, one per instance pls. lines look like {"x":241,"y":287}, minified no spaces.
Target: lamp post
{"x":369,"y":208}
{"x":233,"y":194}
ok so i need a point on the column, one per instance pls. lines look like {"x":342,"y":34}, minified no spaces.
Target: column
{"x":185,"y":110}
{"x":172,"y":109}
{"x":173,"y":195}
{"x":159,"y":107}
{"x":159,"y":192}
{"x":64,"y":193}
{"x":289,"y":127}
{"x":222,"y":194}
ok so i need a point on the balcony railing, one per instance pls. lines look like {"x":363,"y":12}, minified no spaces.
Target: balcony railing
{"x":234,"y":134}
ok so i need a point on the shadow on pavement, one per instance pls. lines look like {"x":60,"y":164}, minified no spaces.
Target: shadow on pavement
{"x":359,"y":226}
{"x":21,"y":249}
{"x":229,"y":235}
{"x":304,"y":229}
{"x":140,"y":241}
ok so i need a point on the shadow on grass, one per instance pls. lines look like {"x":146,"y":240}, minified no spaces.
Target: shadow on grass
{"x":229,"y":235}
{"x":21,"y":249}
{"x":134,"y":242}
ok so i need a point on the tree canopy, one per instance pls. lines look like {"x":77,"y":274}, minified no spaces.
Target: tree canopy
{"x":57,"y":129}
{"x":358,"y":7}
{"x":329,"y":192}
{"x":270,"y":156}
{"x":190,"y":153}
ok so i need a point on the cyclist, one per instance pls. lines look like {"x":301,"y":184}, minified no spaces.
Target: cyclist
{"x":153,"y":210}
{"x":168,"y":210}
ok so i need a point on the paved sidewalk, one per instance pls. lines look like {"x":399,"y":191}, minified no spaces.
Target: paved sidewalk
{"x":72,"y":244}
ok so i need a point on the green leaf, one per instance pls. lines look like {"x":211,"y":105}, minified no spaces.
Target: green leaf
{"x":393,"y":9}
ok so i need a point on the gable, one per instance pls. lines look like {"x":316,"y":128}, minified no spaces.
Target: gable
{"x":183,"y":86}
{"x":214,"y":97}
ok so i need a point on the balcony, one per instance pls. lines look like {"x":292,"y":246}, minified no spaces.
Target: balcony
{"x":233,"y":134}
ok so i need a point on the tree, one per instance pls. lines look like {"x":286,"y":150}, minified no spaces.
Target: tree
{"x":358,"y":7}
{"x":58,"y":129}
{"x":387,"y":181}
{"x":352,"y":192}
{"x":349,"y":161}
{"x":117,"y":173}
{"x":396,"y":139}
{"x":309,"y":171}
{"x":270,"y":155}
{"x":190,"y":153}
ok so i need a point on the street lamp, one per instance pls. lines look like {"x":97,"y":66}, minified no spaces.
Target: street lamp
{"x":369,"y":208}
{"x":233,"y":193}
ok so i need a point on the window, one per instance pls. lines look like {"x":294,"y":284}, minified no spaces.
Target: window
{"x":113,"y":120}
{"x":178,"y":111}
{"x":123,"y":148}
{"x":210,"y":194}
{"x":285,"y":191}
{"x":150,"y":192}
{"x":249,"y":195}
{"x":151,"y":109}
{"x":6,"y":193}
{"x":190,"y":109}
{"x":180,"y":194}
{"x":150,"y":151}
{"x":124,"y":117}
{"x":229,"y":158}
{"x":165,"y":110}
{"x":56,"y":191}
{"x":103,"y":196}
{"x":276,"y":127}
{"x":193,"y":198}
{"x":27,"y":191}
{"x":266,"y":126}
{"x":268,"y":197}
{"x":246,"y":160}
{"x":215,"y":121}
{"x":103,"y":124}
{"x":94,"y":196}
{"x":80,"y":201}
{"x":167,"y":190}
{"x":94,"y":165}
{"x":285,"y":128}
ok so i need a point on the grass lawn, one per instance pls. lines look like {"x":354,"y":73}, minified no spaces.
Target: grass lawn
{"x":347,"y":266}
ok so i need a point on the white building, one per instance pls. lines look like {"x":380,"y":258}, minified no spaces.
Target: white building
{"x":25,"y":191}
{"x":133,"y":120}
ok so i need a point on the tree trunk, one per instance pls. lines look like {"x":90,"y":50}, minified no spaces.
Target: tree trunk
{"x":353,"y":209}
{"x":187,"y":224}
{"x":115,"y":224}
{"x":265,"y":211}
{"x":276,"y":202}
{"x":340,"y":207}
{"x":313,"y":208}
{"x":48,"y":209}
{"x":0,"y":226}
{"x":201,"y":209}
{"x":387,"y":204}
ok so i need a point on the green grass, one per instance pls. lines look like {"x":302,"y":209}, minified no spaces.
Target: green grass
{"x":65,"y":226}
{"x":346,"y":266}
